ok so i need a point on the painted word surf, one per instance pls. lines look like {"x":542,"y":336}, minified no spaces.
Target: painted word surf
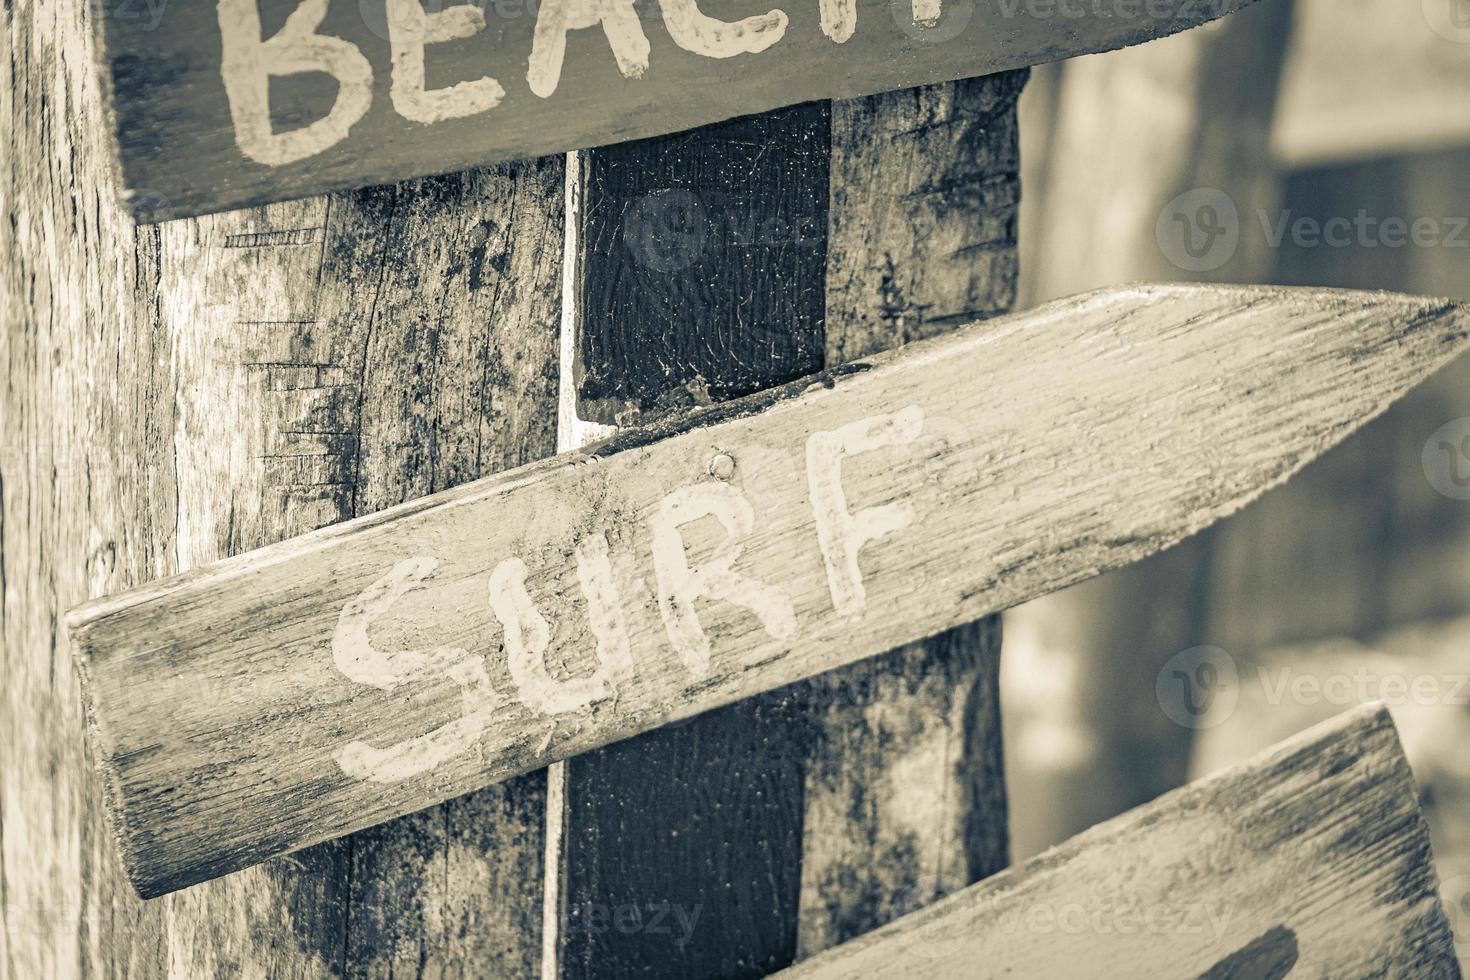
{"x":552,"y":609}
{"x":250,"y":60}
{"x":681,"y":585}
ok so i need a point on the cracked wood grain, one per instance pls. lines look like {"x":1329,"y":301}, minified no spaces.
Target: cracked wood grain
{"x":1192,"y":400}
{"x":1310,"y":860}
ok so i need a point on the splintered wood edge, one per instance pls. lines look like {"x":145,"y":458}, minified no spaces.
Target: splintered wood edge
{"x":969,"y":925}
{"x":146,"y":876}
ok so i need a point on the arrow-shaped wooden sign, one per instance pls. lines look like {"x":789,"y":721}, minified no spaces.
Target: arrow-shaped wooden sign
{"x":332,"y":682}
{"x":1311,"y":860}
{"x":225,"y":103}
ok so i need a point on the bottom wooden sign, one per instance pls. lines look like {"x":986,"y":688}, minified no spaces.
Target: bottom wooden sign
{"x":367,"y":670}
{"x":1309,"y":861}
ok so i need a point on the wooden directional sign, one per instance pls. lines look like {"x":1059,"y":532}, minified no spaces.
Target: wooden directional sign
{"x":370,"y":669}
{"x":225,"y":103}
{"x":1309,"y":861}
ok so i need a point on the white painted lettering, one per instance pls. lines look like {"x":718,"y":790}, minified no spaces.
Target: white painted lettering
{"x":355,"y":656}
{"x":411,"y":29}
{"x":556,"y":17}
{"x":839,"y":17}
{"x":527,"y":634}
{"x":680,"y":586}
{"x":248,"y":63}
{"x":689,"y":28}
{"x":840,"y":533}
{"x":699,"y":34}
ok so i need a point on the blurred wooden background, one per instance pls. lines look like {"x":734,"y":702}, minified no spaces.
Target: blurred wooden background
{"x":1355,"y":575}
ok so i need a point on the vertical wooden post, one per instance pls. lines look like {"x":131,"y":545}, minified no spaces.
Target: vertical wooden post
{"x":459,"y":381}
{"x":700,"y":278}
{"x":784,"y":824}
{"x":74,"y":368}
{"x":313,"y":378}
{"x":265,"y":372}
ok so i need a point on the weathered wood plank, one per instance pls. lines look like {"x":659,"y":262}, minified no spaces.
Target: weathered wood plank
{"x":702,"y":268}
{"x":255,"y":382}
{"x":1310,"y":860}
{"x":1195,"y":400}
{"x":922,"y":240}
{"x":455,"y":382}
{"x":235,"y":102}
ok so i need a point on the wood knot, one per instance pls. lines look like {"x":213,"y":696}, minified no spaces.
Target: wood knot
{"x":722,"y":467}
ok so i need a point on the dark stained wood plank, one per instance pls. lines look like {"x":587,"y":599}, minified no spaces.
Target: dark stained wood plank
{"x":701,"y":275}
{"x":1310,"y":860}
{"x":923,"y":238}
{"x":224,"y":104}
{"x":1240,"y":386}
{"x":704,"y":257}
